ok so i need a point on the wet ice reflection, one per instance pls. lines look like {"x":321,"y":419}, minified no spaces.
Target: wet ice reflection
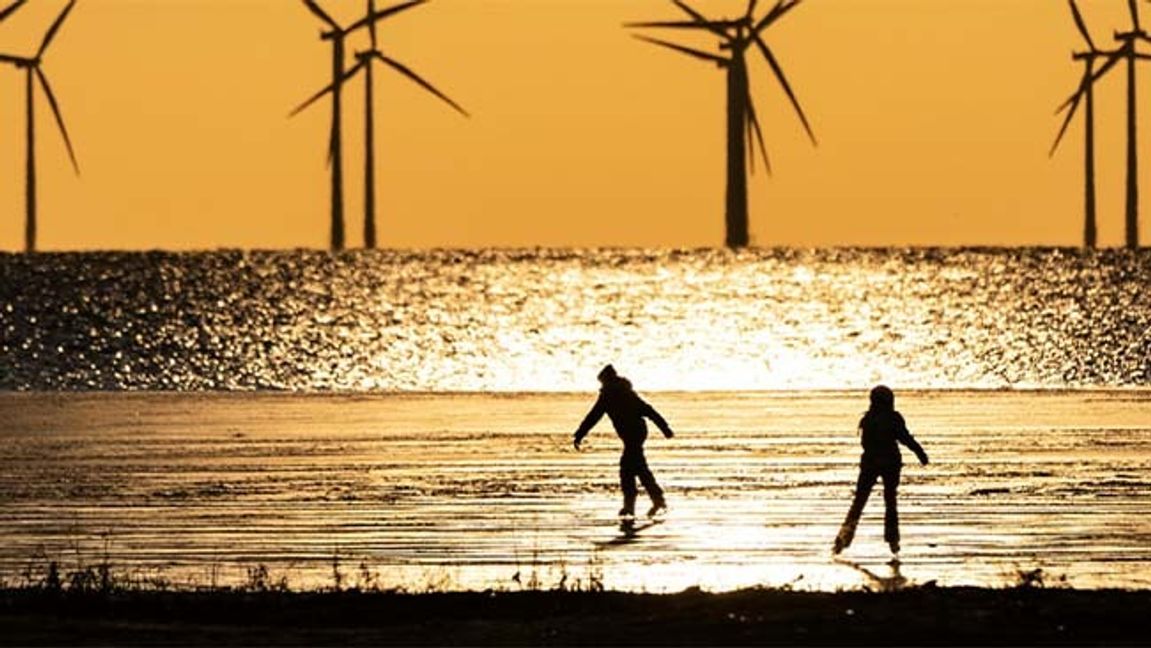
{"x":480,"y":491}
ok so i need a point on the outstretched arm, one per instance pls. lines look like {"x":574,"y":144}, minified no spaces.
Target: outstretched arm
{"x":589,"y":421}
{"x":904,"y":437}
{"x":659,"y":421}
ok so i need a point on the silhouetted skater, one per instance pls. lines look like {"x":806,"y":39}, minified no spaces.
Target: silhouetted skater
{"x":881,"y":431}
{"x":627,"y":411}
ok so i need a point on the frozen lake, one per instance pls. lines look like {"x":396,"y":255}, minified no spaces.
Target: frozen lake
{"x":468,"y":491}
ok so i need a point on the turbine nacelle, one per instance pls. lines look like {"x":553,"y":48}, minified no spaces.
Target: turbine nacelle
{"x":1136,"y":31}
{"x":1131,"y":35}
{"x":1095,"y":54}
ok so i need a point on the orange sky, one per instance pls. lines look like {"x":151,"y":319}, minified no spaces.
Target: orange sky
{"x":934,"y":119}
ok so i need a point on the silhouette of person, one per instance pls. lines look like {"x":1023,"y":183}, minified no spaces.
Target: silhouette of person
{"x":881,"y":431}
{"x":627,"y":412}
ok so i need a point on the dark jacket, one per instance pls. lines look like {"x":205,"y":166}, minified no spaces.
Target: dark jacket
{"x":881,"y":432}
{"x":627,"y":412}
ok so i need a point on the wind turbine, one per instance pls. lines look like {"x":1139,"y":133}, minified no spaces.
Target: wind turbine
{"x":736,"y":35}
{"x":34,"y":73}
{"x":1128,"y":40}
{"x":340,"y":76}
{"x":1086,"y":94}
{"x":366,"y":61}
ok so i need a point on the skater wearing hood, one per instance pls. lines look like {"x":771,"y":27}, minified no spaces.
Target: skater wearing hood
{"x":881,"y":431}
{"x":627,"y":411}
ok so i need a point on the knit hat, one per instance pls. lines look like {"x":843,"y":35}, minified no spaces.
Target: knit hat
{"x":882,"y":397}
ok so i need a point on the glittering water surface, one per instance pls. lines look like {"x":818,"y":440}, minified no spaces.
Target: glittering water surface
{"x":477,"y":491}
{"x":544,"y":320}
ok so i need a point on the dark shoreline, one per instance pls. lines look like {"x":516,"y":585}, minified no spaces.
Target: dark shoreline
{"x":914,"y":616}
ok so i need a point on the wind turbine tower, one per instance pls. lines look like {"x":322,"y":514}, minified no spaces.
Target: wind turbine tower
{"x":1128,"y":40}
{"x":1086,"y":94}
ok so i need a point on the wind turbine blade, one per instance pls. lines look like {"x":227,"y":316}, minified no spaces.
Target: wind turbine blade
{"x":328,"y":88}
{"x":1070,"y":101}
{"x":1080,"y":24}
{"x":751,"y":5}
{"x":753,"y":122}
{"x":311,"y":100}
{"x":59,"y":118}
{"x":55,"y":28}
{"x":750,"y":146}
{"x":1074,"y":103}
{"x":750,"y":136}
{"x":1134,"y":15}
{"x":699,"y":19}
{"x":770,"y":15}
{"x":775,"y":67}
{"x":12,"y":8}
{"x":402,"y":69}
{"x":321,"y":14}
{"x":372,"y":27}
{"x":684,"y":50}
{"x":709,"y":25}
{"x":778,"y":11}
{"x":373,"y":18}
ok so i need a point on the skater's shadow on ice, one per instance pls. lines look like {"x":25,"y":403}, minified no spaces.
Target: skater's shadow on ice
{"x":629,"y":532}
{"x":891,"y":581}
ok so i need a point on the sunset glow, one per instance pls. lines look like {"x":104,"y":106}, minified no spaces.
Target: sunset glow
{"x":579,"y":134}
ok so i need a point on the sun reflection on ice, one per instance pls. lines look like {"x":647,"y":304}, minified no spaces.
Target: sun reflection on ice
{"x":723,"y":545}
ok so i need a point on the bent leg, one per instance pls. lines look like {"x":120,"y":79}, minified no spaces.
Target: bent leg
{"x":867,"y":478}
{"x":648,"y":479}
